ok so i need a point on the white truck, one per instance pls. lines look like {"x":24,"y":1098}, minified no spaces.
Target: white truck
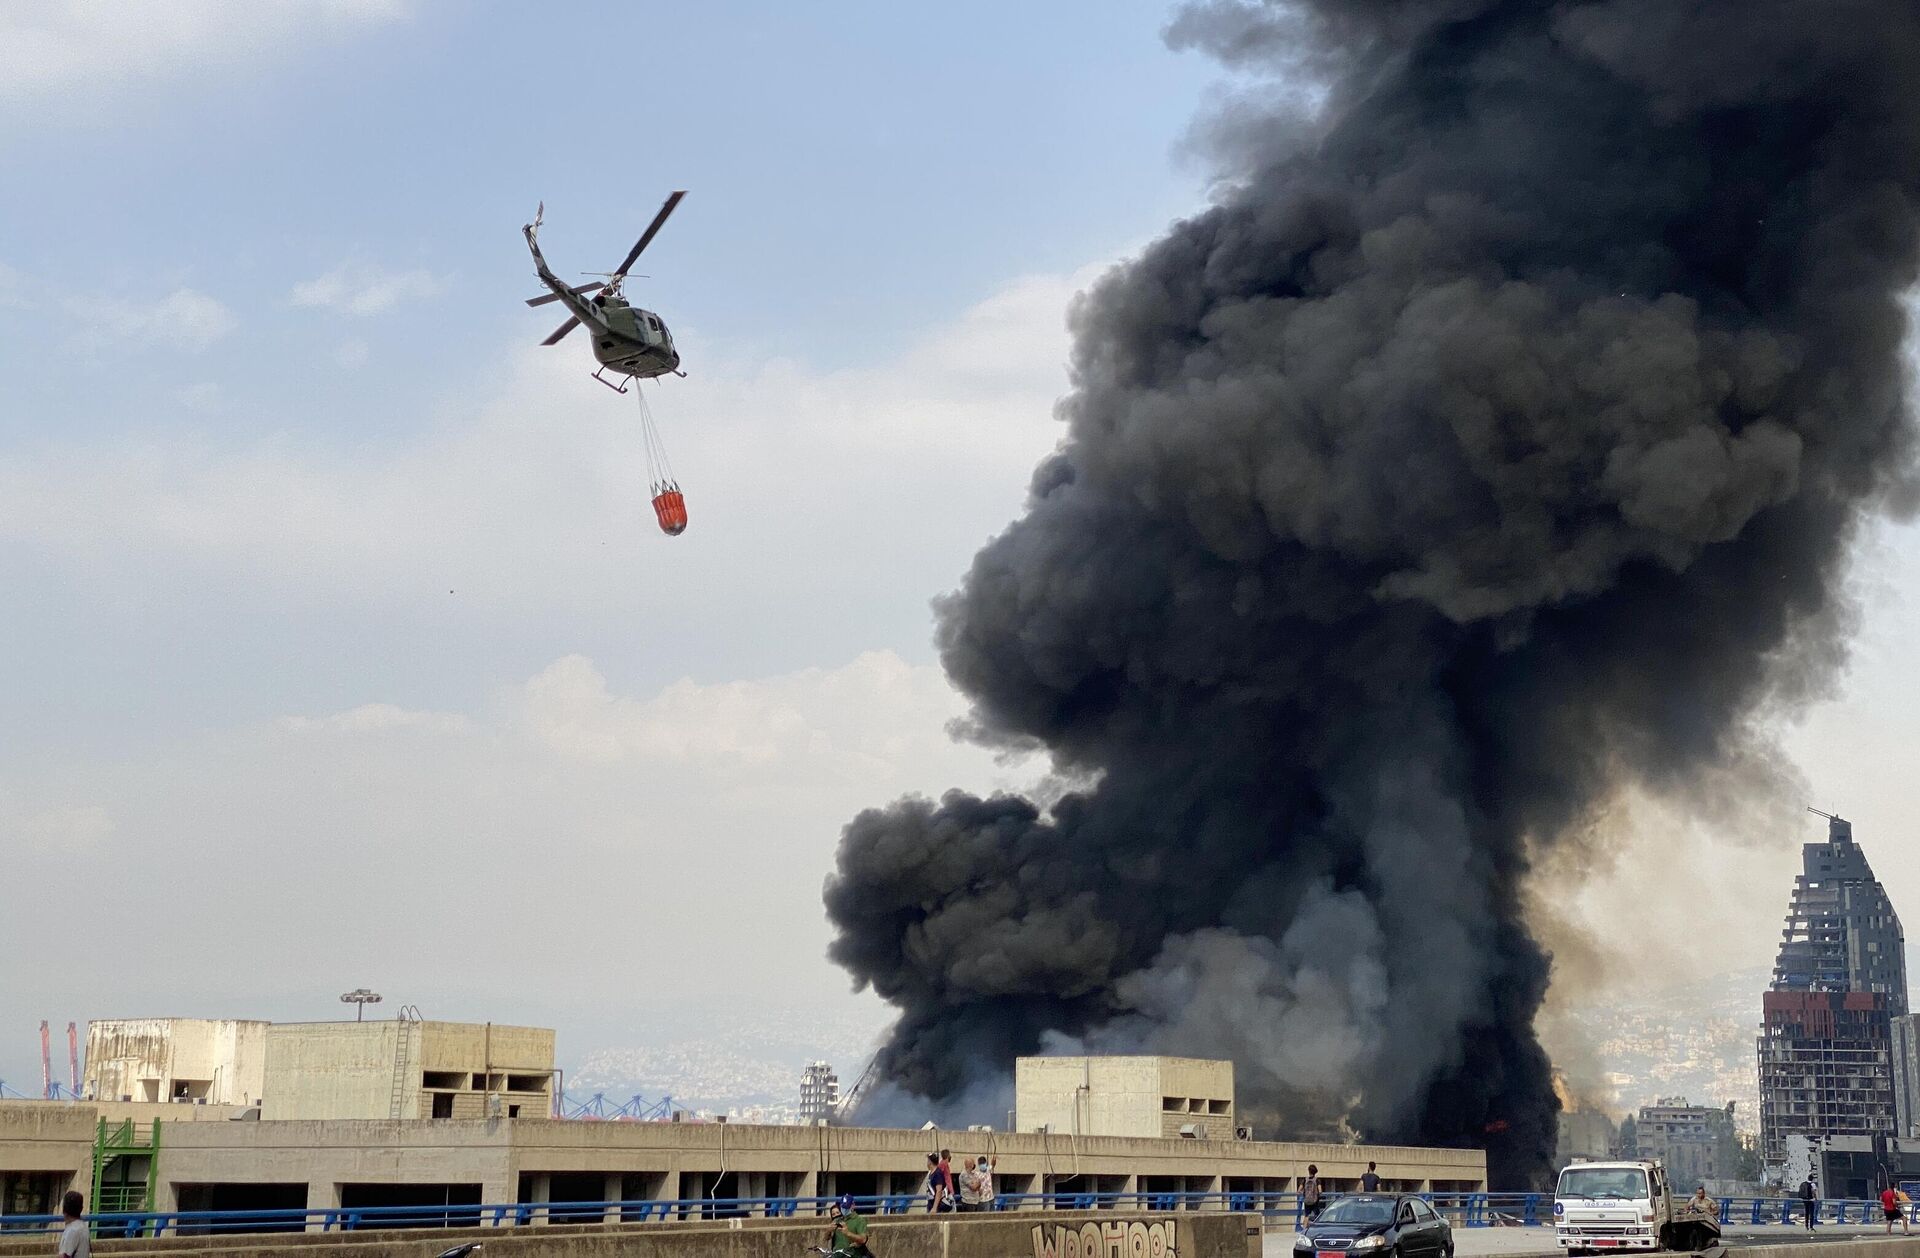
{"x":1627,"y":1205}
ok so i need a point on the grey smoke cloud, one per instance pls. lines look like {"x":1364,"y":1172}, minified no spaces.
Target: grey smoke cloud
{"x":1492,"y":445}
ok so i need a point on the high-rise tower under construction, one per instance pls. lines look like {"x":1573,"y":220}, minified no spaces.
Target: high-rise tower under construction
{"x":1825,"y":1056}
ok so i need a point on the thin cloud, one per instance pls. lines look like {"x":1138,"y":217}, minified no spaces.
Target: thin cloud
{"x":184,"y":319}
{"x":67,"y":831}
{"x":360,"y":290}
{"x":13,"y":289}
{"x":73,"y":53}
{"x":544,"y":468}
{"x":376,"y":718}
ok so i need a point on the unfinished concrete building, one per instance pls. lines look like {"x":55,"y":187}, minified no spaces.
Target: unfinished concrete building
{"x":408,"y":1069}
{"x":819,"y":1093}
{"x":1697,"y":1143}
{"x":192,"y":1061}
{"x":1825,"y":1049}
{"x":1170,"y":1097}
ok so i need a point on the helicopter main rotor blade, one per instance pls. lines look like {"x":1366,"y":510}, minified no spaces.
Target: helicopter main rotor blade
{"x":647,"y":237}
{"x":562,"y":330}
{"x":577,"y":288}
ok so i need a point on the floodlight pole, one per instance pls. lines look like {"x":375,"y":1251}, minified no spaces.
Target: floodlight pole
{"x":360,"y":998}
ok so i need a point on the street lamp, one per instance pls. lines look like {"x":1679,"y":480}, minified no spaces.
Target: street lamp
{"x":360,"y":998}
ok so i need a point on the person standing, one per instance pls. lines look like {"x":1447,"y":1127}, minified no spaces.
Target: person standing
{"x":1310,"y":1193}
{"x":986,"y":1166}
{"x":937,"y":1188}
{"x":1809,"y":1202}
{"x":976,"y":1186}
{"x":1370,"y":1182}
{"x":74,"y":1239}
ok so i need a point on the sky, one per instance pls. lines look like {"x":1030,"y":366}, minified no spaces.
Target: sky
{"x":339,"y":647}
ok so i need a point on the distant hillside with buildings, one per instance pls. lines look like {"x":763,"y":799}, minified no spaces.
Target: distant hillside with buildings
{"x":1697,"y":1043}
{"x":747,"y":1066}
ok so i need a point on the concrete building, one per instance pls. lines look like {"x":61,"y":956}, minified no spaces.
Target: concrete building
{"x":1697,"y":1143}
{"x":1169,"y":1097}
{"x":819,"y":1093}
{"x":1584,"y":1134}
{"x":324,"y":1163}
{"x":217,"y":1061}
{"x":1825,"y":1048}
{"x":1903,"y":1041}
{"x":1860,"y":1166}
{"x":407,"y":1069}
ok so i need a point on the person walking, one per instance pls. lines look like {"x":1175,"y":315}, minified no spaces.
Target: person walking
{"x":74,"y":1239}
{"x":952,"y":1181}
{"x":1370,"y":1182}
{"x":1890,"y":1207}
{"x":1809,"y":1202}
{"x":1310,"y":1193}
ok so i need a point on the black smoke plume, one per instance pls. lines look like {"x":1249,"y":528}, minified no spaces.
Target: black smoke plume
{"x":1493,"y":443}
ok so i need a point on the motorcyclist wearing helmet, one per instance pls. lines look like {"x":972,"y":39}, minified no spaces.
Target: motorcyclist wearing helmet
{"x":849,"y":1234}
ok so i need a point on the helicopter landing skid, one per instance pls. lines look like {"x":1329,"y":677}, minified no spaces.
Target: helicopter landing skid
{"x":617,"y":388}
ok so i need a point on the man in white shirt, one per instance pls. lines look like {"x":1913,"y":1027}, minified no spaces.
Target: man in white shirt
{"x":74,"y":1240}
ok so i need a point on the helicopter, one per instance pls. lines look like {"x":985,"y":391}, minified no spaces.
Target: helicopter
{"x":630,"y":342}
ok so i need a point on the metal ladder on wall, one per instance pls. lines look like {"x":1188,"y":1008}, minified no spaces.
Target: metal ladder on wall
{"x":406,"y":1053}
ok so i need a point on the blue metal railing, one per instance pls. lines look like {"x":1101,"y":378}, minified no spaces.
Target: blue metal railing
{"x":1461,"y":1209}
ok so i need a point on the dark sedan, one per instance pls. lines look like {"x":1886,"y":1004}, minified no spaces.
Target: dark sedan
{"x":1376,"y":1225}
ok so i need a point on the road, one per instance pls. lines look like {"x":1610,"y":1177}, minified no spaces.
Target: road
{"x":1512,"y":1242}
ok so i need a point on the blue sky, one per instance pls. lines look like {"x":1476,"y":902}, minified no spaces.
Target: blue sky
{"x":337,"y":605}
{"x":340,"y":646}
{"x":858,"y":174}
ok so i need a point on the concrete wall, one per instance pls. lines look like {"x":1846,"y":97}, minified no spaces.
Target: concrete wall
{"x":506,"y":1158}
{"x":673,"y":1161}
{"x":45,"y":1149}
{"x":222,"y":1061}
{"x":144,"y":1112}
{"x":1218,"y":1235}
{"x":346,"y":1070}
{"x":1206,"y":1086}
{"x":327,"y":1154}
{"x":1124,"y":1096}
{"x":338,"y":1069}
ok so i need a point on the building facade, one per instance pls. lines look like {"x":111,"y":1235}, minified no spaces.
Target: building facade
{"x":1904,"y":1041}
{"x":1696,"y":1143}
{"x":819,"y":1093}
{"x":1585,"y":1135}
{"x":407,"y":1069}
{"x":204,"y":1061}
{"x":1826,"y":1043}
{"x":45,"y":1147}
{"x":1170,"y":1097}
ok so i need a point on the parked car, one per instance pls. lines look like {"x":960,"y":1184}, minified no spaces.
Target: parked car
{"x":1376,"y":1225}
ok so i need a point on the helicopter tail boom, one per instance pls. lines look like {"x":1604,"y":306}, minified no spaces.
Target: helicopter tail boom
{"x":560,"y":291}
